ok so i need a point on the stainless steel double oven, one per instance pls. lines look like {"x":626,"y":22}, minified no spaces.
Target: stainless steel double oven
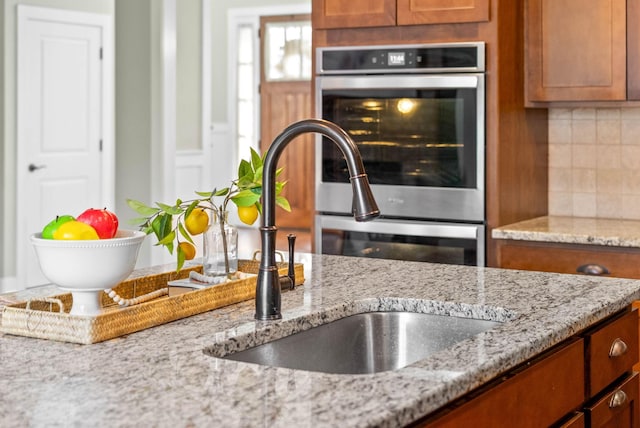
{"x":417,"y":114}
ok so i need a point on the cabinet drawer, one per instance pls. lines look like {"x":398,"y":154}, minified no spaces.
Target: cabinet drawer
{"x":538,"y":395}
{"x":618,"y":408}
{"x":611,"y":351}
{"x":618,"y":262}
{"x":575,"y":421}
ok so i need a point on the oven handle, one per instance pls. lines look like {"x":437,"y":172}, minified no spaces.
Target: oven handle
{"x":405,"y":227}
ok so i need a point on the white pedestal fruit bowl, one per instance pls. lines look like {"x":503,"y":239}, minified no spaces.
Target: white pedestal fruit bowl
{"x":87,"y":267}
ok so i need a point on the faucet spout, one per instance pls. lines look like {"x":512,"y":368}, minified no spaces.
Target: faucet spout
{"x":364,"y":205}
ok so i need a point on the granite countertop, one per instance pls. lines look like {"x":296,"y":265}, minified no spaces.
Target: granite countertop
{"x":161,"y":377}
{"x":573,"y":230}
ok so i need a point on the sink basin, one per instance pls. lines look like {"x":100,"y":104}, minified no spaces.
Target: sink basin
{"x":365,"y":343}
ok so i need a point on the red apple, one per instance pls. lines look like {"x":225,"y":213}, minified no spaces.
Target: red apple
{"x":102,"y":220}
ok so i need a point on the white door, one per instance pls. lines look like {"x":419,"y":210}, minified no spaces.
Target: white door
{"x":63,"y":123}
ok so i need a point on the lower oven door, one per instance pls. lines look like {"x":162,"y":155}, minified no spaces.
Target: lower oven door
{"x":422,"y":241}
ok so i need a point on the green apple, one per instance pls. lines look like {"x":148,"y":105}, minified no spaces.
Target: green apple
{"x":53,"y":225}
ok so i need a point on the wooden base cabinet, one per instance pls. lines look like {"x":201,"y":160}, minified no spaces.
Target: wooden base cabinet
{"x":585,"y":382}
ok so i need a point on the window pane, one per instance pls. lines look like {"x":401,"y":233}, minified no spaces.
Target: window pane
{"x":245,"y":118}
{"x":245,"y":82}
{"x":245,"y":45}
{"x":288,"y":51}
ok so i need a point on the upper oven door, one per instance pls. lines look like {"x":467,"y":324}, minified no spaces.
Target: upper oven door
{"x":421,"y":138}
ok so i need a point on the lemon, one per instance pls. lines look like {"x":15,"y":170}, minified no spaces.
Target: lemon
{"x":75,"y":230}
{"x":188,"y":249}
{"x":248,"y":215}
{"x":197,"y":221}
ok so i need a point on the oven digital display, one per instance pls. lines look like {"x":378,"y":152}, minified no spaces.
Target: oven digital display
{"x":395,"y":58}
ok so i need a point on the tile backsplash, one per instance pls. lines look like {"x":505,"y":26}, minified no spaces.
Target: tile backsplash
{"x":594,"y":162}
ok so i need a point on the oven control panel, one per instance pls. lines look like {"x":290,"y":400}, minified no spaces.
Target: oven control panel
{"x":452,"y":57}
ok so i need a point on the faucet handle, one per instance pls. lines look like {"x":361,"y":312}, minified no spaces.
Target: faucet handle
{"x":292,"y":268}
{"x":288,"y":281}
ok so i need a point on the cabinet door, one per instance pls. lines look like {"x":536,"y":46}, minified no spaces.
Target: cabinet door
{"x":442,"y":11}
{"x":353,"y":13}
{"x":576,"y":50}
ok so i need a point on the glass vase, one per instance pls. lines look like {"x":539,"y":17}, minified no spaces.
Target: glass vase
{"x":220,"y":247}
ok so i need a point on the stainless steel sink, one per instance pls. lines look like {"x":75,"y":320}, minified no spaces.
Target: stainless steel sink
{"x":365,"y":343}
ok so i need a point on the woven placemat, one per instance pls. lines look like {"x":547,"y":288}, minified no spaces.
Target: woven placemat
{"x":48,"y":318}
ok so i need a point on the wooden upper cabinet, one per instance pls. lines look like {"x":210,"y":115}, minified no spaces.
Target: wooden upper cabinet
{"x":329,"y":14}
{"x":576,"y":50}
{"x":442,"y":11}
{"x":353,"y":13}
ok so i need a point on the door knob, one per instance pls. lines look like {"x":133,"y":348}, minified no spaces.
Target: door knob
{"x":33,"y":167}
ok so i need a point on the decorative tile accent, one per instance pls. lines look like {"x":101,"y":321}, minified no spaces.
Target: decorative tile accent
{"x":599,"y":169}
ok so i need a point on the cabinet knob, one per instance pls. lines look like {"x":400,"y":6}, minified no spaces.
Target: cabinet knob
{"x":593,"y":269}
{"x":618,"y":348}
{"x":618,"y":399}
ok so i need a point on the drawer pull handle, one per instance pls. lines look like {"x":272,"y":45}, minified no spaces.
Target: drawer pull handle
{"x":593,"y":269}
{"x":618,"y":348}
{"x":618,"y":399}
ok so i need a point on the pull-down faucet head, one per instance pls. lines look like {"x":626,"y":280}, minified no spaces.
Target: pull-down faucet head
{"x":364,"y":205}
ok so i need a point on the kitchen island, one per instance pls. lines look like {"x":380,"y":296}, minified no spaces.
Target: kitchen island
{"x":161,"y":376}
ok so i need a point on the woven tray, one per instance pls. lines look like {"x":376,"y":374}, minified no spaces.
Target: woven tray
{"x":43,"y":319}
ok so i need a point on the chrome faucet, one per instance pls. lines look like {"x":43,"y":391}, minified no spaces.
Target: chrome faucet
{"x":364,"y":205}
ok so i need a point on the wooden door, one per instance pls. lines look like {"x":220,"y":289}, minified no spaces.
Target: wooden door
{"x":576,"y":50}
{"x":353,"y":13}
{"x":283,"y":101}
{"x":411,"y":12}
{"x":62,"y":122}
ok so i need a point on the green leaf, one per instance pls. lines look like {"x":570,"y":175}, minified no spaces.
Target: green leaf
{"x":244,"y":169}
{"x":279,"y":186}
{"x":190,"y":208}
{"x":245,"y":182}
{"x":245,"y":198}
{"x":184,"y":233}
{"x":279,"y":171}
{"x":168,"y":239}
{"x":180,"y":259}
{"x":256,"y":160}
{"x":141,"y":208}
{"x":206,"y":194}
{"x":283,"y":203}
{"x":162,"y":225}
{"x":222,"y":192}
{"x":173,"y":210}
{"x":257,"y":178}
{"x":138,"y":221}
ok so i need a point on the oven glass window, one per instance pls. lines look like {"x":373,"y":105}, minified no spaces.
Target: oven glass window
{"x":400,"y":247}
{"x":423,"y":137}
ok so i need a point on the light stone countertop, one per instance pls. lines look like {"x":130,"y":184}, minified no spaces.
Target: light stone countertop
{"x":573,"y":230}
{"x":160,"y":377}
